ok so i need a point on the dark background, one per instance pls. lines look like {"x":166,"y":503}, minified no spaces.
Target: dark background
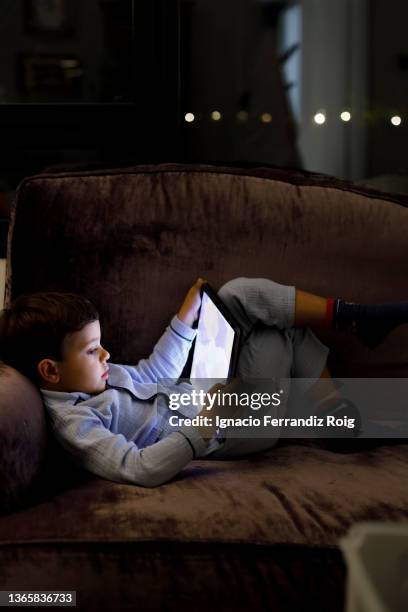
{"x":111,"y":81}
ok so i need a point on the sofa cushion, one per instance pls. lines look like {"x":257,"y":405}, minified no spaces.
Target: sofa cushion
{"x":295,"y":493}
{"x":271,"y":520}
{"x":22,"y":438}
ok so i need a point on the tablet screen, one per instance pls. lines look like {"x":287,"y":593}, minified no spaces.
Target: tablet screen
{"x":214,"y":343}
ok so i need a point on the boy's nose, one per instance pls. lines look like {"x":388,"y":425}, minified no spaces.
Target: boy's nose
{"x":105,"y":355}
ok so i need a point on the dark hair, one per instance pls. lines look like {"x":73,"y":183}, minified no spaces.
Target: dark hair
{"x":35,"y":326}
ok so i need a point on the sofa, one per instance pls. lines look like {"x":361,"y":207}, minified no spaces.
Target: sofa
{"x":257,"y":533}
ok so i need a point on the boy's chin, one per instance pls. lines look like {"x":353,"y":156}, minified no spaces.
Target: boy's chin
{"x":100,"y":389}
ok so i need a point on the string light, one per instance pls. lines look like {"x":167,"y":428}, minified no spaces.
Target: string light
{"x":319,"y":118}
{"x":242,"y":115}
{"x":396,"y":120}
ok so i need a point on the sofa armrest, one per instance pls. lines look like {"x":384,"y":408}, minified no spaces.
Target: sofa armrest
{"x":23,"y":438}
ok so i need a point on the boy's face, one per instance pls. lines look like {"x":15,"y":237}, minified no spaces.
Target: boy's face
{"x":84,"y":366}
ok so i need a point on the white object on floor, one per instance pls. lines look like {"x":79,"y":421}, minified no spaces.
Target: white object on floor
{"x":377,"y":567}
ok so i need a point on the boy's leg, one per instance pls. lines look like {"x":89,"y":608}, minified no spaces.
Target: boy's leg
{"x":321,"y":390}
{"x":255,"y":300}
{"x":268,"y":354}
{"x":371,"y":323}
{"x":266,"y":310}
{"x":259,"y":300}
{"x":257,"y":303}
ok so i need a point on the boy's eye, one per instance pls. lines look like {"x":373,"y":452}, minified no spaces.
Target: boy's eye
{"x":91,"y":351}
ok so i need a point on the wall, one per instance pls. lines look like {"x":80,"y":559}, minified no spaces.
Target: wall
{"x":334,"y":62}
{"x":223,"y":38}
{"x":231,"y":55}
{"x":86,"y":44}
{"x":388,"y":145}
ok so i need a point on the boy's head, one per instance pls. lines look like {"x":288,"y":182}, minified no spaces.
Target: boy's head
{"x":54,"y":339}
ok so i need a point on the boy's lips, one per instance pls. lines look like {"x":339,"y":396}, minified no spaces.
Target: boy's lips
{"x":105,"y":374}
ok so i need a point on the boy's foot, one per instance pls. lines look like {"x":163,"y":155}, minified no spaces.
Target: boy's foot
{"x":340,"y":410}
{"x":344,"y":440}
{"x":370,"y":323}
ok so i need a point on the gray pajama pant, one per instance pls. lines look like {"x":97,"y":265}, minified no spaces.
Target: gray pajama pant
{"x":271,"y":348}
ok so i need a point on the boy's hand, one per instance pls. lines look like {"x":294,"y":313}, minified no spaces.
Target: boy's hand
{"x":188,"y":312}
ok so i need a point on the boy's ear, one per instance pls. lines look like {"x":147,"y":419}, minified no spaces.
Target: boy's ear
{"x":48,"y":370}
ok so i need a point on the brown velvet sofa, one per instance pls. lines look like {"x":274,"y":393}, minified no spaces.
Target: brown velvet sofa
{"x":258,"y":533}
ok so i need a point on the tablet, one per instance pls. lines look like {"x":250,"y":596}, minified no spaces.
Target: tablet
{"x":216,"y":348}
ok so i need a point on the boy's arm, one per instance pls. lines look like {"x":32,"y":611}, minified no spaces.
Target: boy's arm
{"x":171,"y":351}
{"x":111,"y":456}
{"x":168,"y":357}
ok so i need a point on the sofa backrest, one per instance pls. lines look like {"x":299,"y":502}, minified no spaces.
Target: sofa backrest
{"x":134,"y":239}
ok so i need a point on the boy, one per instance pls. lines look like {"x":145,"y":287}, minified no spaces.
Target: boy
{"x":111,"y":418}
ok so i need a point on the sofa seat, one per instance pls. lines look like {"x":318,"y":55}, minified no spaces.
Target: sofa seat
{"x":282,"y":496}
{"x":271,"y":521}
